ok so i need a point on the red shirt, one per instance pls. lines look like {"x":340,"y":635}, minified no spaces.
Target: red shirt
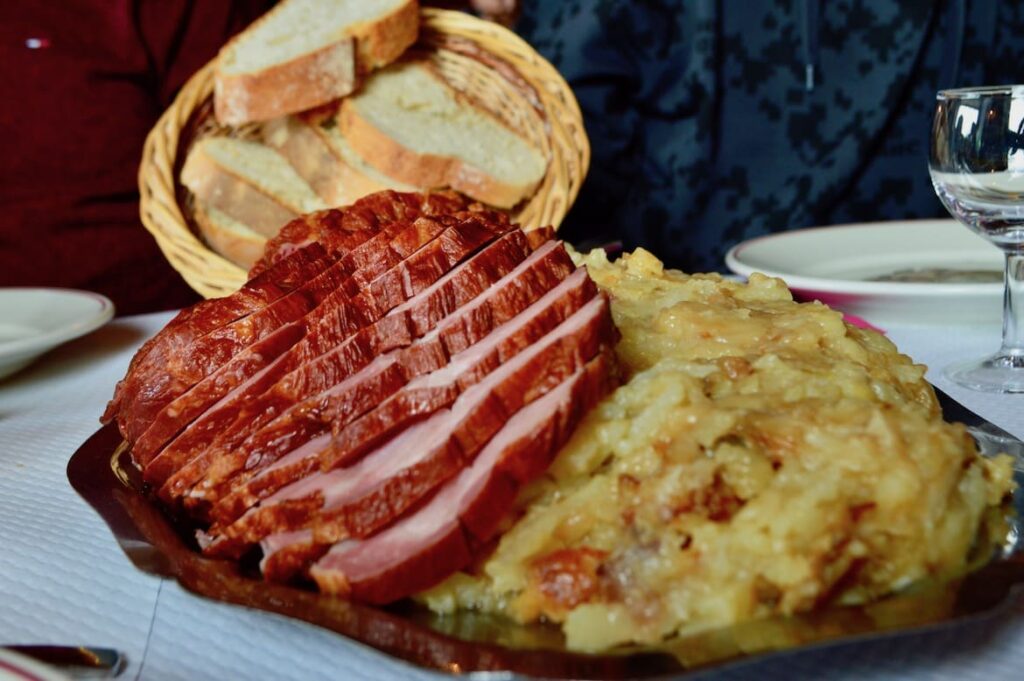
{"x":81,"y":84}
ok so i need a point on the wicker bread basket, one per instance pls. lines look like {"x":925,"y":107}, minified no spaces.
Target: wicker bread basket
{"x":482,"y":59}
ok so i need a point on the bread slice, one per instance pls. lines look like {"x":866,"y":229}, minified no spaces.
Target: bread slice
{"x":308,"y":154}
{"x":304,"y":53}
{"x":414,"y":127}
{"x":322,"y":157}
{"x":251,"y":183}
{"x":358,"y":177}
{"x":228,"y":237}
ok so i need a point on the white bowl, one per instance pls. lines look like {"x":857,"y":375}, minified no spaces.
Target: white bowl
{"x":840,"y":265}
{"x":35,"y":320}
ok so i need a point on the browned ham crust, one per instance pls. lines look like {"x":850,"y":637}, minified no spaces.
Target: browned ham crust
{"x":358,"y":498}
{"x":140,"y":392}
{"x":376,"y":296}
{"x":422,"y":549}
{"x":365,"y":409}
{"x":343,"y":229}
{"x":344,"y":407}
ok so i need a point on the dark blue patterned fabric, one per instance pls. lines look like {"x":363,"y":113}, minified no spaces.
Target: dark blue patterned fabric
{"x":703,"y":129}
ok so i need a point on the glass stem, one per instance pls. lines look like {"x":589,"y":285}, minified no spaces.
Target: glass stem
{"x":1013,"y":304}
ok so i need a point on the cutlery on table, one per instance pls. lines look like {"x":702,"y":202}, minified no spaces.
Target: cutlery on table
{"x":75,"y":661}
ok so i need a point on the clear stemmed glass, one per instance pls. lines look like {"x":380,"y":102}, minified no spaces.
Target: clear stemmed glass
{"x":976,"y":162}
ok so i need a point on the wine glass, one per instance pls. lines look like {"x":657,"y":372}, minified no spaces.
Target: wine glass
{"x":976,"y":161}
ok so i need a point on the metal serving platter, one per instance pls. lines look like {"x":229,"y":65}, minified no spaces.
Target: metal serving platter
{"x":101,"y":472}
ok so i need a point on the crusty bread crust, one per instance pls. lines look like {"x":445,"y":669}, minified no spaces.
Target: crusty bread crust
{"x":218,"y":187}
{"x":429,"y":171}
{"x":310,"y":155}
{"x":314,"y":78}
{"x":384,"y":40}
{"x":301,"y":83}
{"x":241,"y":249}
{"x":309,"y":151}
{"x":355,"y":184}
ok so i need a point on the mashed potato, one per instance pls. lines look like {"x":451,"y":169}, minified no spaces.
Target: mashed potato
{"x":762,"y":458}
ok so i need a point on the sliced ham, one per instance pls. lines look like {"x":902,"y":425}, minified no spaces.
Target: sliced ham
{"x":208,"y":356}
{"x":180,"y":372}
{"x":410,"y":277}
{"x":211,"y":352}
{"x":343,"y":229}
{"x":384,"y":392}
{"x":430,"y":392}
{"x":394,"y":243}
{"x":176,"y":373}
{"x":187,"y":407}
{"x":360,"y":499}
{"x":136,"y":391}
{"x":511,"y":314}
{"x":426,"y":546}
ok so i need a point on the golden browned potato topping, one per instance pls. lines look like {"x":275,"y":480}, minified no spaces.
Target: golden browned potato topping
{"x":762,"y":458}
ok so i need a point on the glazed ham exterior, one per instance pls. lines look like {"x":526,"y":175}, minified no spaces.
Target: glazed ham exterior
{"x":536,"y":275}
{"x":423,"y":548}
{"x":142,"y":391}
{"x":512,"y":364}
{"x":345,"y":312}
{"x":345,"y":229}
{"x":365,"y":409}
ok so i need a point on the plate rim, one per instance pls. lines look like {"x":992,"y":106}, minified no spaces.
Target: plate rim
{"x":856,"y":286}
{"x":69,"y":330}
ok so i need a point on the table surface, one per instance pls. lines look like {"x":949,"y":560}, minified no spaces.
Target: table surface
{"x":64,"y":580}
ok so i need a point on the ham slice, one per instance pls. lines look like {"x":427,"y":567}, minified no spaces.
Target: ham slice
{"x":514,"y":296}
{"x":183,"y":371}
{"x":379,"y":396}
{"x":430,"y":392}
{"x":360,"y":499}
{"x":187,"y":407}
{"x":443,"y":253}
{"x":343,"y":229}
{"x":364,"y":263}
{"x":136,"y":393}
{"x":352,"y":272}
{"x":426,"y":546}
{"x":338,"y":318}
{"x":169,"y":375}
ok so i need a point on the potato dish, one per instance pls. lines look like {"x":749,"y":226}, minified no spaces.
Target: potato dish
{"x":761,"y":458}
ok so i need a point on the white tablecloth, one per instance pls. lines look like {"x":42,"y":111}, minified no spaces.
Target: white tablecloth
{"x":64,"y":580}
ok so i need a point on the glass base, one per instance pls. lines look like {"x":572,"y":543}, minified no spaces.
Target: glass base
{"x":1000,"y":373}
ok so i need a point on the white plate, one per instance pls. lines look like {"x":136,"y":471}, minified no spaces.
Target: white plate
{"x":15,"y":667}
{"x":34,"y":320}
{"x":836,"y":265}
